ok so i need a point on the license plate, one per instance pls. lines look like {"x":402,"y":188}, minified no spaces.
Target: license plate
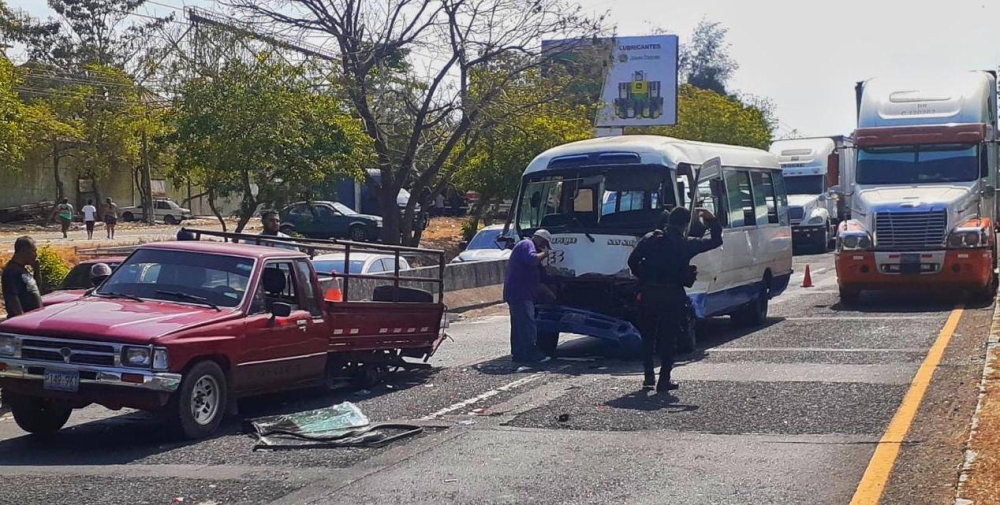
{"x":60,"y":380}
{"x":909,"y":263}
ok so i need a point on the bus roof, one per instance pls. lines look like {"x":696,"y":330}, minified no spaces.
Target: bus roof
{"x":654,"y":150}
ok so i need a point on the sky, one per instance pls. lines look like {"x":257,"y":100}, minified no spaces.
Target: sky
{"x":804,"y":55}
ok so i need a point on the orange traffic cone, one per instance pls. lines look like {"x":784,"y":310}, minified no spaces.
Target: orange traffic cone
{"x":807,"y":280}
{"x":334,"y":294}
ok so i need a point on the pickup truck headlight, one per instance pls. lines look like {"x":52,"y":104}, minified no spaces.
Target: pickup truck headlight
{"x":137,"y":356}
{"x":816,"y":220}
{"x":160,"y":361}
{"x":8,"y":345}
{"x":854,"y":241}
{"x":968,"y":238}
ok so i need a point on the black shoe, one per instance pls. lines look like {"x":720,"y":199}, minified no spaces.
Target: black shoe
{"x":650,"y":381}
{"x":666,"y":385}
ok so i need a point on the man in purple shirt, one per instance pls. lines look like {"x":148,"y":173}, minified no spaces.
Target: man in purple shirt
{"x":519,"y":291}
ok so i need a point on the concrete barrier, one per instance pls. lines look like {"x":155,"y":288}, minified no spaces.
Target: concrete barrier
{"x":466,"y":285}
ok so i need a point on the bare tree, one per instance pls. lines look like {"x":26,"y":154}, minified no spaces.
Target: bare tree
{"x":422,"y":73}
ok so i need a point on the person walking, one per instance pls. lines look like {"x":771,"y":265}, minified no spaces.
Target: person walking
{"x":21,"y":292}
{"x":520,"y":289}
{"x":662,"y":263}
{"x":89,"y":218}
{"x":64,"y":213}
{"x":110,"y":216}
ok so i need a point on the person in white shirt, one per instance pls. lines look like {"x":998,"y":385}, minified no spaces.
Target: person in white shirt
{"x":272,"y":224}
{"x":89,"y":218}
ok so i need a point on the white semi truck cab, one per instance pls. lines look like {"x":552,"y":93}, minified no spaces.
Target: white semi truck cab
{"x":924,"y":198}
{"x":816,"y":171}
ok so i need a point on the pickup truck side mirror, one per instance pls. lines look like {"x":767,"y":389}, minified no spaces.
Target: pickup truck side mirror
{"x":279,"y":309}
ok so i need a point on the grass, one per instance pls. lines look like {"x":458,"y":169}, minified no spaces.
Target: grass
{"x":983,"y":484}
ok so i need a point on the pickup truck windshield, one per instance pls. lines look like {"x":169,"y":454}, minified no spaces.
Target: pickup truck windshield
{"x":804,"y":184}
{"x":149,"y":273}
{"x":922,"y":164}
{"x":611,"y":200}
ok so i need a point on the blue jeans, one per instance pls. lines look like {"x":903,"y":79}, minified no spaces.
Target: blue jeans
{"x":523,"y":331}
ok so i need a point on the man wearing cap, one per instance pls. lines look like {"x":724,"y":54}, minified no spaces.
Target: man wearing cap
{"x":99,"y":273}
{"x":519,"y":291}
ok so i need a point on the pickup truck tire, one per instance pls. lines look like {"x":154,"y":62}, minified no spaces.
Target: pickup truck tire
{"x":128,"y":217}
{"x":357,"y":233}
{"x":37,"y":415}
{"x":196,"y":409}
{"x":170,"y":220}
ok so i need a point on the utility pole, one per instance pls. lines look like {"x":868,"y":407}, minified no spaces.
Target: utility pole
{"x":147,"y":175}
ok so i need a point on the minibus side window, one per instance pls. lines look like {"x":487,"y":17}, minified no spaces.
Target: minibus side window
{"x":760,"y":192}
{"x":739,"y":199}
{"x":778,"y":180}
{"x":766,"y":186}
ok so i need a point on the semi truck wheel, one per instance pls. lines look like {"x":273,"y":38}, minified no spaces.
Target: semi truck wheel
{"x":196,"y":409}
{"x":37,"y":415}
{"x":849,"y":296}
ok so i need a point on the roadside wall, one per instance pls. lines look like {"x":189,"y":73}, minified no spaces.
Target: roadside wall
{"x":466,"y":285}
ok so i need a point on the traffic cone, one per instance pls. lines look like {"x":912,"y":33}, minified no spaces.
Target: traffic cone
{"x":807,"y":280}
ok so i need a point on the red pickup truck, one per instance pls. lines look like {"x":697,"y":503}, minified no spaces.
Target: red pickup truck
{"x":186,"y":328}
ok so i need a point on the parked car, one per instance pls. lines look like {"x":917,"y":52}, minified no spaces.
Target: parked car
{"x":485,"y":246}
{"x":185,"y":328}
{"x":77,"y":282}
{"x":329,"y":220}
{"x":164,"y":210}
{"x":361,"y":263}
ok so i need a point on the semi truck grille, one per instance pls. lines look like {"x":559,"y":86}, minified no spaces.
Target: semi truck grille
{"x":910,"y":231}
{"x":795,"y":214}
{"x":68,"y":351}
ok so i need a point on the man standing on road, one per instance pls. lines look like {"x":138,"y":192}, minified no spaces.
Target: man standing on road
{"x":89,"y":218}
{"x":64,"y":213}
{"x":20,"y":289}
{"x":519,"y":291}
{"x":661,"y":261}
{"x":110,"y":217}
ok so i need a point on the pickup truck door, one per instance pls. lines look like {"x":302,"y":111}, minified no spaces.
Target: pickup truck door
{"x":279,"y":353}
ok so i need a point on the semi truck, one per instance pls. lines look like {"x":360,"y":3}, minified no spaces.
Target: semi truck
{"x":818,"y":173}
{"x":924,"y":203}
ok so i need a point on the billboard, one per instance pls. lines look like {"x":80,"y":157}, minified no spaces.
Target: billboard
{"x":638,"y":79}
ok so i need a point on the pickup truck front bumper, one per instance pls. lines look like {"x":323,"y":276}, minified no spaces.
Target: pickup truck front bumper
{"x":32,"y":370}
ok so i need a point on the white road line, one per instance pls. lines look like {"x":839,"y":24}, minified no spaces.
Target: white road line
{"x":863,"y":318}
{"x":476,"y":399}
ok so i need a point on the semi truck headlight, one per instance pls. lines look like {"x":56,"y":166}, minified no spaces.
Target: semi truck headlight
{"x":8,"y":345}
{"x":854,"y":241}
{"x":136,"y":356}
{"x":968,"y":237}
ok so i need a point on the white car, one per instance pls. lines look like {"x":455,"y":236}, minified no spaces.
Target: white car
{"x":484,"y":246}
{"x":164,"y":210}
{"x":361,"y":263}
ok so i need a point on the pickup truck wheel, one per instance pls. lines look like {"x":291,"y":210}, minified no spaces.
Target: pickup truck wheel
{"x":37,"y":415}
{"x":196,"y":409}
{"x":358,"y":233}
{"x":128,"y":217}
{"x":170,"y":220}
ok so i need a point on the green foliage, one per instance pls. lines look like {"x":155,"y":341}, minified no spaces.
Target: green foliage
{"x":14,"y":137}
{"x":469,"y":228}
{"x":54,"y":268}
{"x":260,"y":123}
{"x":710,"y":117}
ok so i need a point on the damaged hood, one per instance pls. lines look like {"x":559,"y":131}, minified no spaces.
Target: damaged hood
{"x":574,"y":255}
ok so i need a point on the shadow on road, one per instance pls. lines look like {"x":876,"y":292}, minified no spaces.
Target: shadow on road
{"x":650,"y":401}
{"x":910,"y":302}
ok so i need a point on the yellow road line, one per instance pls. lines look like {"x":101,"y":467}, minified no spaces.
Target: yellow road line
{"x":876,"y":476}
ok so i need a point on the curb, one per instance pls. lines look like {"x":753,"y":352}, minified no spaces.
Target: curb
{"x":992,"y":351}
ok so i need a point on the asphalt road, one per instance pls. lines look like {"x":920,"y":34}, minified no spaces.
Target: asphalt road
{"x":788,"y":413}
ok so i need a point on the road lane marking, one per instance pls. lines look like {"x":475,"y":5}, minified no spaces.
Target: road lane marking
{"x":862,"y":318}
{"x":476,"y":399}
{"x":811,"y":349}
{"x":879,"y":469}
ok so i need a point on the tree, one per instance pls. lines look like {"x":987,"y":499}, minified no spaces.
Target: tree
{"x":259,"y":125}
{"x":13,"y":134}
{"x":710,"y":117}
{"x":705,"y":61}
{"x":453,"y":39}
{"x":494,"y":166}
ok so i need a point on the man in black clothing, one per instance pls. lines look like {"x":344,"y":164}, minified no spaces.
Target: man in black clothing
{"x":661,"y":262}
{"x":20,"y":289}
